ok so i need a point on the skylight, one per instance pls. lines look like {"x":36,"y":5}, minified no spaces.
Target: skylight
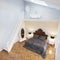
{"x":39,"y":2}
{"x":45,"y":3}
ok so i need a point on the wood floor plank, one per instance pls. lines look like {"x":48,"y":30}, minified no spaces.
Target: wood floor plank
{"x":18,"y":52}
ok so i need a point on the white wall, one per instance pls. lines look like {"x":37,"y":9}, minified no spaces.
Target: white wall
{"x":50,"y":27}
{"x":11,"y":15}
{"x":45,"y":13}
{"x":57,"y":54}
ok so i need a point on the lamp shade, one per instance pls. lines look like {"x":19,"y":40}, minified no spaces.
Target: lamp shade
{"x":52,"y":40}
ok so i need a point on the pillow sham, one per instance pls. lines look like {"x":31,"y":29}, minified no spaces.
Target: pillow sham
{"x":36,"y":36}
{"x":42,"y":38}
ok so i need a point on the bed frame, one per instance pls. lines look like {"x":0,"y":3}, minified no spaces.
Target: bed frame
{"x":40,"y":32}
{"x":30,"y":43}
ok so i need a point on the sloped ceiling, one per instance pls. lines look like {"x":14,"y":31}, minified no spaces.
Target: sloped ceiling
{"x":50,"y":3}
{"x":53,"y":1}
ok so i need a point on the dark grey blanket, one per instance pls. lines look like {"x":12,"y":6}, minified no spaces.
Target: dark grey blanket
{"x":37,"y":45}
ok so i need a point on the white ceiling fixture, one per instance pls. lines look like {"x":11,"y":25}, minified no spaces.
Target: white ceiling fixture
{"x":35,"y":16}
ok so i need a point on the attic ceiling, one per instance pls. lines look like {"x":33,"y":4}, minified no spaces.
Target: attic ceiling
{"x":49,"y":3}
{"x":53,"y":1}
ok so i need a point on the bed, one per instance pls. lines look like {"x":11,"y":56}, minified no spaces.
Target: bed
{"x":38,"y":43}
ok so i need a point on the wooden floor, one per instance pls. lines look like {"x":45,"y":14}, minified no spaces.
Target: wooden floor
{"x":18,"y":52}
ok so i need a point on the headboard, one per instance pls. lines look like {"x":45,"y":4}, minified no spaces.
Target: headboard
{"x":40,"y":32}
